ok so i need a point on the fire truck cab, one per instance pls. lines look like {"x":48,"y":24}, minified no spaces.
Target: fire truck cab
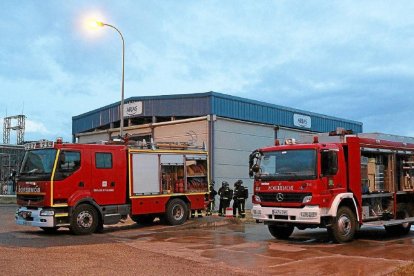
{"x":84,"y":186}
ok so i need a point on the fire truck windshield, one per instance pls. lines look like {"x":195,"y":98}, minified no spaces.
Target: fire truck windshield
{"x":38,"y":162}
{"x":288,"y":165}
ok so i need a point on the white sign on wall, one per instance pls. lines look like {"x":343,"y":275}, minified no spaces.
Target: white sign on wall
{"x":302,"y":121}
{"x":132,"y":109}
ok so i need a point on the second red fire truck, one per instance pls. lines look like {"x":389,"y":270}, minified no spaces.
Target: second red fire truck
{"x":338,"y":181}
{"x":84,"y":186}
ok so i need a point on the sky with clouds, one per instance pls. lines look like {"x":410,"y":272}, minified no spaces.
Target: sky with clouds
{"x":349,"y":59}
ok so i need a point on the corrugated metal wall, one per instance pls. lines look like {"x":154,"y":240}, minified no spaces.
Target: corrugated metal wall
{"x":233,"y":143}
{"x":191,"y":105}
{"x":201,"y":104}
{"x":283,"y":133}
{"x":253,"y":111}
{"x":180,"y":106}
{"x":95,"y":119}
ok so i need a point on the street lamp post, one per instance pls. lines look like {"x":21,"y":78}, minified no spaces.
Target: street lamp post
{"x":121,"y":112}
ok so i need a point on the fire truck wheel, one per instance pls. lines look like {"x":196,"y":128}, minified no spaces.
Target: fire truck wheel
{"x":281,"y":232}
{"x":99,"y":228}
{"x":344,"y":226}
{"x":143,"y":219}
{"x":177,"y":212}
{"x":84,"y":220}
{"x":50,"y":230}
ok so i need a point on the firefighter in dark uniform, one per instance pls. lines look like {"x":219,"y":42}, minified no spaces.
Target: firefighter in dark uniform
{"x":239,"y":199}
{"x":225,"y":194}
{"x":211,"y":199}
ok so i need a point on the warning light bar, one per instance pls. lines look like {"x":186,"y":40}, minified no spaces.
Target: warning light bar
{"x":42,"y":144}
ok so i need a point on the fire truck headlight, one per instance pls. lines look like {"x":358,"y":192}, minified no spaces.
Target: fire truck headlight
{"x":307,"y":199}
{"x":257,"y":198}
{"x":47,"y":213}
{"x":256,"y":212}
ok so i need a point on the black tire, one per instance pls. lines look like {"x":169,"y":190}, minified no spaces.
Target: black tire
{"x":84,"y":220}
{"x":344,"y":226}
{"x":281,"y":232}
{"x":99,"y":228}
{"x":177,"y":212}
{"x":143,"y":219}
{"x":50,"y":230}
{"x":400,"y":229}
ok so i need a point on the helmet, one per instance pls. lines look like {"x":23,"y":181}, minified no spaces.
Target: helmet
{"x":224,"y":184}
{"x":238,"y":183}
{"x":212,"y":184}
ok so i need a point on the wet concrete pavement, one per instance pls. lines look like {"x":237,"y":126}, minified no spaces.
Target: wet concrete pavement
{"x":208,"y":246}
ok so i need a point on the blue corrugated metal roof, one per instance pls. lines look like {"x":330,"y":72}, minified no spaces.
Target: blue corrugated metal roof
{"x":255,"y":111}
{"x":200,"y":104}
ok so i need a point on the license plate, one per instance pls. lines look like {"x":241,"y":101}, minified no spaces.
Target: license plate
{"x":277,"y":212}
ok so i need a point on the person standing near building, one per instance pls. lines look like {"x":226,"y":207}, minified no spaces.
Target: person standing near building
{"x":211,"y":199}
{"x":225,"y":194}
{"x":239,"y":199}
{"x":221,"y":197}
{"x":236,"y":204}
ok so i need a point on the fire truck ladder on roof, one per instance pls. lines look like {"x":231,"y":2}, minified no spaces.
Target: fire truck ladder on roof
{"x":19,"y":128}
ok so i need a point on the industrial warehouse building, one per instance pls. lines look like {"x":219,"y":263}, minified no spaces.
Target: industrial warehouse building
{"x":230,"y":127}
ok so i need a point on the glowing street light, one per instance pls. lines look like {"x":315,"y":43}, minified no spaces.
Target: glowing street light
{"x":97,"y":24}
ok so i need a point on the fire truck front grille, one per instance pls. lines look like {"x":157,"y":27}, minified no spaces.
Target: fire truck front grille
{"x":28,"y":199}
{"x":283,"y":197}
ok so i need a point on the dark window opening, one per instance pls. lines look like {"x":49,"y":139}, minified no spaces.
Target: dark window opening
{"x":69,"y":161}
{"x":103,"y":160}
{"x":288,"y":165}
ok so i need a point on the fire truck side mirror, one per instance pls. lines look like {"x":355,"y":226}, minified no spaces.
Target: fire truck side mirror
{"x":254,"y":169}
{"x":329,"y":163}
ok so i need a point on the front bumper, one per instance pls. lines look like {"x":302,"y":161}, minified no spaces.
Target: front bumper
{"x":305,"y":215}
{"x":32,"y":217}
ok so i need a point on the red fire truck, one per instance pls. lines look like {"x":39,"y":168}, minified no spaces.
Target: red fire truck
{"x":338,"y":181}
{"x":84,"y":186}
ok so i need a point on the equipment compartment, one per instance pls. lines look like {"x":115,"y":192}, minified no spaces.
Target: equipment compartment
{"x":377,"y":206}
{"x":407,"y":174}
{"x":196,"y":175}
{"x":376,"y":172}
{"x":172,"y":177}
{"x":167,"y":173}
{"x":390,"y":171}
